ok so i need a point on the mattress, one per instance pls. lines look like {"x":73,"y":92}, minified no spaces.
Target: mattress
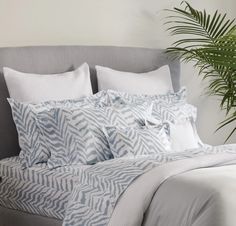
{"x":36,"y":190}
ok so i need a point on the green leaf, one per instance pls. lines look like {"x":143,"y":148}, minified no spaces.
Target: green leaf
{"x":210,"y":42}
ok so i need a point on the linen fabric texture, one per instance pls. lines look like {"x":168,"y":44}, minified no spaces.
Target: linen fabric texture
{"x":171,"y":108}
{"x":152,"y":82}
{"x":76,"y":136}
{"x":136,"y":142}
{"x":36,"y":88}
{"x":31,"y":140}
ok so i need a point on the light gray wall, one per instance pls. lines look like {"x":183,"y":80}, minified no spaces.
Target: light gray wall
{"x":110,"y":22}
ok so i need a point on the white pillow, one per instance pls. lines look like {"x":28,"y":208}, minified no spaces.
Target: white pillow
{"x":183,"y":133}
{"x":35,"y":88}
{"x":153,"y":82}
{"x":184,"y":136}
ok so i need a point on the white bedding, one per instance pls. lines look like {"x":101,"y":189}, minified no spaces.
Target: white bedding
{"x":146,"y":202}
{"x":202,"y":197}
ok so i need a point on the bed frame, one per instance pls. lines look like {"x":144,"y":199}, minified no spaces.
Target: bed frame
{"x":57,"y":59}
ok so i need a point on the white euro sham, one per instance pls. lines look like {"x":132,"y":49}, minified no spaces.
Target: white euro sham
{"x":153,"y":82}
{"x":36,"y":88}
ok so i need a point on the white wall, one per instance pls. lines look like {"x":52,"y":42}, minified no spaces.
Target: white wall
{"x":110,"y":22}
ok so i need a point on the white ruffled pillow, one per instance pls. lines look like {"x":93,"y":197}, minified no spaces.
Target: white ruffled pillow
{"x":183,"y":133}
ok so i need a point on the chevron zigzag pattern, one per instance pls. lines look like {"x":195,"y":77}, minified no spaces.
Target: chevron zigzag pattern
{"x":33,"y":148}
{"x":31,"y":140}
{"x":131,"y":142}
{"x":37,"y":190}
{"x":174,"y":113}
{"x":60,"y":193}
{"x":171,"y":97}
{"x":170,"y":107}
{"x":76,"y":136}
{"x":100,"y":186}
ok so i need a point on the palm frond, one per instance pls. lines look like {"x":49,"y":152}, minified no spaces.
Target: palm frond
{"x":210,"y":42}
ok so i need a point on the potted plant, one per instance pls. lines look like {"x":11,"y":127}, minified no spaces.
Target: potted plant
{"x":210,"y":42}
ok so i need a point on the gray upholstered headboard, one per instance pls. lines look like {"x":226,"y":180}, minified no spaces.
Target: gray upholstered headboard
{"x":56,"y":59}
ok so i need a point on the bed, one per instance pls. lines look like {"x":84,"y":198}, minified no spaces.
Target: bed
{"x":58,"y":59}
{"x":153,"y":204}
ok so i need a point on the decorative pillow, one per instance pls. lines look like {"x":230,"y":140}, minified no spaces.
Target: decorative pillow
{"x":181,"y":117}
{"x":170,"y":97}
{"x":132,"y":142}
{"x":183,"y":133}
{"x":35,"y":88}
{"x":76,"y":136}
{"x":31,"y":141}
{"x":172,"y":108}
{"x":173,"y":112}
{"x":153,"y":82}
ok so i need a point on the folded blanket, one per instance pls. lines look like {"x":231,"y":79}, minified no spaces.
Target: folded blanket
{"x":101,"y":186}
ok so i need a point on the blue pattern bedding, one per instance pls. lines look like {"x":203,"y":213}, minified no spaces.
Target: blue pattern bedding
{"x":100,"y":186}
{"x":36,"y":190}
{"x":87,"y":195}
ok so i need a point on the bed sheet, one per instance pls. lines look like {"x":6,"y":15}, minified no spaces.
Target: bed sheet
{"x":36,"y":190}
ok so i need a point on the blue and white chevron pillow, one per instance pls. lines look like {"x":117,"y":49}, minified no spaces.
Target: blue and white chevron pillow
{"x":170,"y":97}
{"x":171,"y":106}
{"x":173,"y":112}
{"x":134,"y":142}
{"x":31,"y":141}
{"x":76,"y":136}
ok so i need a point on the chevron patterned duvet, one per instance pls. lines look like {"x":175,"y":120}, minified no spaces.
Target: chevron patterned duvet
{"x":36,"y":190}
